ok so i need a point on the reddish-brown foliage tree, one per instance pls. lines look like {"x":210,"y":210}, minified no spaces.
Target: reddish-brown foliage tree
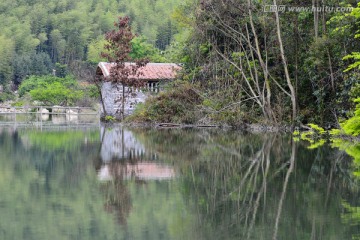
{"x":117,"y":51}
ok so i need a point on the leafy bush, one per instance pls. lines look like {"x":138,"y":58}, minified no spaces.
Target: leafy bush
{"x":317,"y":129}
{"x":6,"y":96}
{"x":335,"y":132}
{"x":90,"y":95}
{"x":34,"y":82}
{"x":176,"y":105}
{"x":92,"y":91}
{"x":52,"y":90}
{"x":352,"y":125}
{"x":142,"y":49}
{"x":55,"y":94}
{"x":110,"y":119}
{"x":18,"y":104}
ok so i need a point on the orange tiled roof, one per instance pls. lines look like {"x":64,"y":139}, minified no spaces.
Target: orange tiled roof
{"x":152,"y":71}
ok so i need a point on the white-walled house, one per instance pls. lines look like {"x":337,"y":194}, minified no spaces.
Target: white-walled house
{"x":154,"y":74}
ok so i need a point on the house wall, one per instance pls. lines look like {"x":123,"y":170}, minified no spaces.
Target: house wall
{"x":112,"y":98}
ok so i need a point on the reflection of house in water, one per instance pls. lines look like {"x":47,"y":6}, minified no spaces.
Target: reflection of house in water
{"x":119,"y":144}
{"x":124,"y":157}
{"x":138,"y":171}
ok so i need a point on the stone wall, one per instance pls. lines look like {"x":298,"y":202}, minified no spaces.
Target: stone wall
{"x":112,"y":97}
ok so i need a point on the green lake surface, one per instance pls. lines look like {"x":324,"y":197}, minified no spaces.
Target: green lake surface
{"x":121,"y":183}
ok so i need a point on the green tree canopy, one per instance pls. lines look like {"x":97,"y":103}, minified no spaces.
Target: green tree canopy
{"x":52,"y":90}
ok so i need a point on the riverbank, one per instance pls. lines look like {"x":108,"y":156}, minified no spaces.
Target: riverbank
{"x":13,"y":107}
{"x":255,"y":128}
{"x":8,"y":107}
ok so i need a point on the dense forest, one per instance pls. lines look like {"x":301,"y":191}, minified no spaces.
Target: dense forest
{"x":38,"y":36}
{"x":246,"y":64}
{"x":241,"y":63}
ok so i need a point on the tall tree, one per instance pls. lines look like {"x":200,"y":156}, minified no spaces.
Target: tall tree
{"x":117,"y":51}
{"x":285,"y":64}
{"x":7,"y":49}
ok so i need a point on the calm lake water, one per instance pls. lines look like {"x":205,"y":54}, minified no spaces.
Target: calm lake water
{"x":119,"y":183}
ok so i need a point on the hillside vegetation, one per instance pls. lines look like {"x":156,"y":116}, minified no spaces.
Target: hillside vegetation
{"x":243,"y":64}
{"x":37,"y":34}
{"x":251,"y":65}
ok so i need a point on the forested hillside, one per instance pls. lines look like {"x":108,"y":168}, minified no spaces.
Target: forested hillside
{"x":241,"y":63}
{"x":37,"y":34}
{"x":247,"y":64}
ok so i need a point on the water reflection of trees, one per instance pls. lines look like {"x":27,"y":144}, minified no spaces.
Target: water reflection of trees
{"x":47,"y":184}
{"x":115,"y":187}
{"x":235,"y":185}
{"x":117,"y":194}
{"x":229,"y":185}
{"x":259,"y":186}
{"x":124,"y":160}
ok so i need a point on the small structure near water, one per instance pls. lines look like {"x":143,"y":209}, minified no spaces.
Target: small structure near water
{"x":154,"y":74}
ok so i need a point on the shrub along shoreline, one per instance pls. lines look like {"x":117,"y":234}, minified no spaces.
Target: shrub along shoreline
{"x":183,"y":105}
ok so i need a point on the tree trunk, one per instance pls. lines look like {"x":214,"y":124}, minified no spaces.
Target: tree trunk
{"x":331,"y":72}
{"x":286,"y":70}
{"x":97,"y":84}
{"x":267,"y":98}
{"x":316,"y":18}
{"x":123,"y":102}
